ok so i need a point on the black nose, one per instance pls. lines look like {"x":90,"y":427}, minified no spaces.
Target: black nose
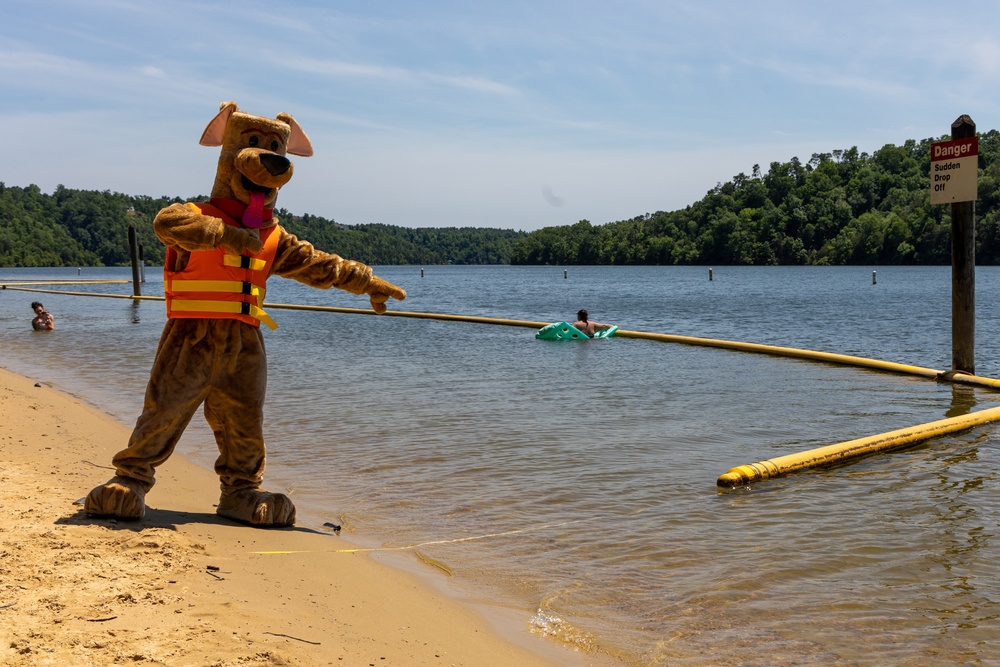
{"x":275,"y":164}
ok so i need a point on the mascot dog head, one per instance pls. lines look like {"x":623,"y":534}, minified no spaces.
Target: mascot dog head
{"x":252,"y":165}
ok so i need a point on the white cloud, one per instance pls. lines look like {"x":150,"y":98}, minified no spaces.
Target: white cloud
{"x":985,"y":56}
{"x":29,"y":63}
{"x":333,"y":68}
{"x":470,"y":83}
{"x":395,"y":75}
{"x":154,"y":72}
{"x":825,"y":76}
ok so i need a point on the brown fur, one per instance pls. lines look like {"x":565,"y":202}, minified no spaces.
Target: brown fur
{"x":221,"y":363}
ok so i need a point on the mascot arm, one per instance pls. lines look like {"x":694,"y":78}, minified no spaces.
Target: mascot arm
{"x":180,"y":226}
{"x":300,"y":261}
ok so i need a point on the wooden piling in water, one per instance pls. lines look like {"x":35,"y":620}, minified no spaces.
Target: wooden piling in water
{"x":133,"y":251}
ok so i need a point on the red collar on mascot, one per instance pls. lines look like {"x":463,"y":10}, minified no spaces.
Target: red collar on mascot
{"x":235,"y":208}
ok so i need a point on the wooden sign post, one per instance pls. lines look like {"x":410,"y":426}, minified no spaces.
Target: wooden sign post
{"x":954,"y":180}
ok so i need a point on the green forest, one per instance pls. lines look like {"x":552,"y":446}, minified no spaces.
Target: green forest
{"x":90,"y":228}
{"x":842,"y":207}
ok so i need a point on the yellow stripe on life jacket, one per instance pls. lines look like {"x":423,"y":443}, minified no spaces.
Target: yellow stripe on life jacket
{"x":236,"y":307}
{"x":244,"y":262}
{"x":234,"y":286}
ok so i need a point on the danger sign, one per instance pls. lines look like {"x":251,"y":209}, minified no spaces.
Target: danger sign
{"x":955,"y":171}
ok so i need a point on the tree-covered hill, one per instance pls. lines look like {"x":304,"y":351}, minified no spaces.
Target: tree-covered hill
{"x":74,"y":227}
{"x":842,"y":207}
{"x":90,"y":228}
{"x":389,"y":244}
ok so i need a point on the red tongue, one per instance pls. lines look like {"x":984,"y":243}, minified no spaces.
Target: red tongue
{"x":253,"y":217}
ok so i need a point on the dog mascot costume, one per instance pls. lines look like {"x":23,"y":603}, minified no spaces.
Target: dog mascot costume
{"x":219,"y":256}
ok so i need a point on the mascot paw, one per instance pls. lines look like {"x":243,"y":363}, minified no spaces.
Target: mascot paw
{"x":259,"y":508}
{"x":121,"y":497}
{"x":380,"y":290}
{"x":239,"y":240}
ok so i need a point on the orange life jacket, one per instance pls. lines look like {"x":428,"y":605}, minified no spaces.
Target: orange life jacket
{"x":217,"y":283}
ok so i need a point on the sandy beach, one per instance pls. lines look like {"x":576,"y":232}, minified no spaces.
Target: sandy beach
{"x":185,"y":587}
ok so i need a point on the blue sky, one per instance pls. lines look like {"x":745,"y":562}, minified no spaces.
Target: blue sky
{"x":515,"y":114}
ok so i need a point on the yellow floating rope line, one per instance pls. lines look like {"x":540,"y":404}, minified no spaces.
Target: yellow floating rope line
{"x":957,"y":377}
{"x":11,"y":286}
{"x":753,"y":348}
{"x":742,"y":475}
{"x":474,"y":319}
{"x":853,"y":449}
{"x":66,"y":282}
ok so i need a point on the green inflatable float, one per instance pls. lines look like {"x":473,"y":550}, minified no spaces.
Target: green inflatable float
{"x":566,"y":331}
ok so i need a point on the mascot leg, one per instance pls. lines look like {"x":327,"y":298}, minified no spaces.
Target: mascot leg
{"x":235,"y":411}
{"x":177,"y":385}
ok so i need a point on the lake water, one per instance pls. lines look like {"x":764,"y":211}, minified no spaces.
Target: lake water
{"x":585,"y":472}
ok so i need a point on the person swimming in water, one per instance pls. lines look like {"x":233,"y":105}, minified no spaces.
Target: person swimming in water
{"x":584,"y":324}
{"x":43,"y":320}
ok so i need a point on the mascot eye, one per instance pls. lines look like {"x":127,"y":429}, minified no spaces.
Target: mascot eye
{"x":254,"y":140}
{"x":275,"y":145}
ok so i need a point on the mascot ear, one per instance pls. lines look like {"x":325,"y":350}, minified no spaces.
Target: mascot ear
{"x":298,"y":141}
{"x":216,"y":130}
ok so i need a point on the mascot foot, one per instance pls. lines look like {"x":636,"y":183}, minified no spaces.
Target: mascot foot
{"x":259,"y":508}
{"x":121,"y":497}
